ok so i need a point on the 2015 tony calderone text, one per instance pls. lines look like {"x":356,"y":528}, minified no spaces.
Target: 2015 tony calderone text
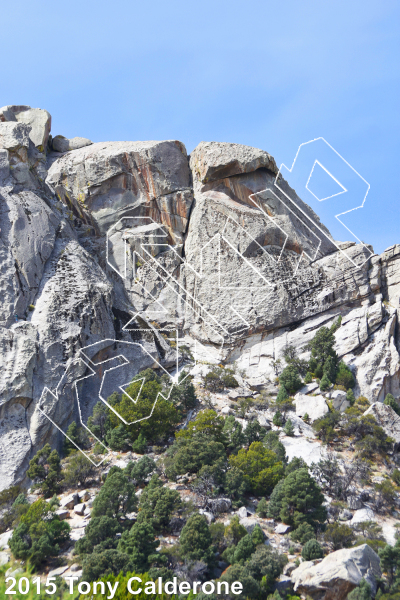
{"x":134,"y":586}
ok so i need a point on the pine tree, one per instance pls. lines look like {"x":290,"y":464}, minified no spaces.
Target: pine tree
{"x":275,"y":501}
{"x":97,"y":422}
{"x":330,"y":368}
{"x":116,"y":497}
{"x":157,"y":504}
{"x":390,"y":401}
{"x":312,"y":550}
{"x":390,"y":561}
{"x":262,"y":508}
{"x":288,"y":428}
{"x":324,"y":383}
{"x":254,"y":432}
{"x":303,"y":534}
{"x":290,"y":378}
{"x":361,"y":592}
{"x":282,"y":394}
{"x":244,"y":549}
{"x":140,"y":543}
{"x":322,"y":346}
{"x":344,"y":376}
{"x":45,"y":470}
{"x":298,"y":499}
{"x":271,"y":441}
{"x":295,"y":464}
{"x":140,"y":470}
{"x":118,"y":438}
{"x":308,"y":377}
{"x":140,"y":444}
{"x":196,"y":541}
{"x":257,"y":535}
{"x":72,"y":433}
{"x":233,"y":432}
{"x":78,"y":436}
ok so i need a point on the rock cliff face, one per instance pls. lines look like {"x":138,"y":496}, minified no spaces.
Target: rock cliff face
{"x":93,"y":235}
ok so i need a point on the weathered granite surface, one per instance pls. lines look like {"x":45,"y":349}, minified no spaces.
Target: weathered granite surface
{"x":211,"y":248}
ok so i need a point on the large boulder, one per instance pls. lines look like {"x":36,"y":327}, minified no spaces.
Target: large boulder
{"x":219,"y":505}
{"x":14,"y":136}
{"x":339,"y":400}
{"x":104,"y":182}
{"x":248,"y":523}
{"x":63,"y":144}
{"x":19,"y":157}
{"x":338,"y":574}
{"x":210,"y":161}
{"x":37,"y":119}
{"x":315,"y":406}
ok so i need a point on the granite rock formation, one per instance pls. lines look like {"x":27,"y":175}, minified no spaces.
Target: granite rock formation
{"x":338,"y":574}
{"x":94,"y":234}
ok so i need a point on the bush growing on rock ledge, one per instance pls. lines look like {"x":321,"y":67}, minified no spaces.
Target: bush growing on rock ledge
{"x":339,"y":535}
{"x":282,"y":395}
{"x":290,"y":379}
{"x":325,"y":426}
{"x":312,"y":550}
{"x":390,"y":401}
{"x":308,"y":377}
{"x":220,"y":378}
{"x":324,"y":383}
{"x":79,"y":471}
{"x":344,"y":376}
{"x":277,"y":419}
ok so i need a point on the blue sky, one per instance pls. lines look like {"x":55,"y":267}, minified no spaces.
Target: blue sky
{"x":261,"y":73}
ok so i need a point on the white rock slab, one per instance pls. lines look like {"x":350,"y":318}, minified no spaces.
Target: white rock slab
{"x":309,"y":388}
{"x":310,"y":451}
{"x":77,"y":534}
{"x":363,"y":514}
{"x":315,"y":406}
{"x":79,"y":509}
